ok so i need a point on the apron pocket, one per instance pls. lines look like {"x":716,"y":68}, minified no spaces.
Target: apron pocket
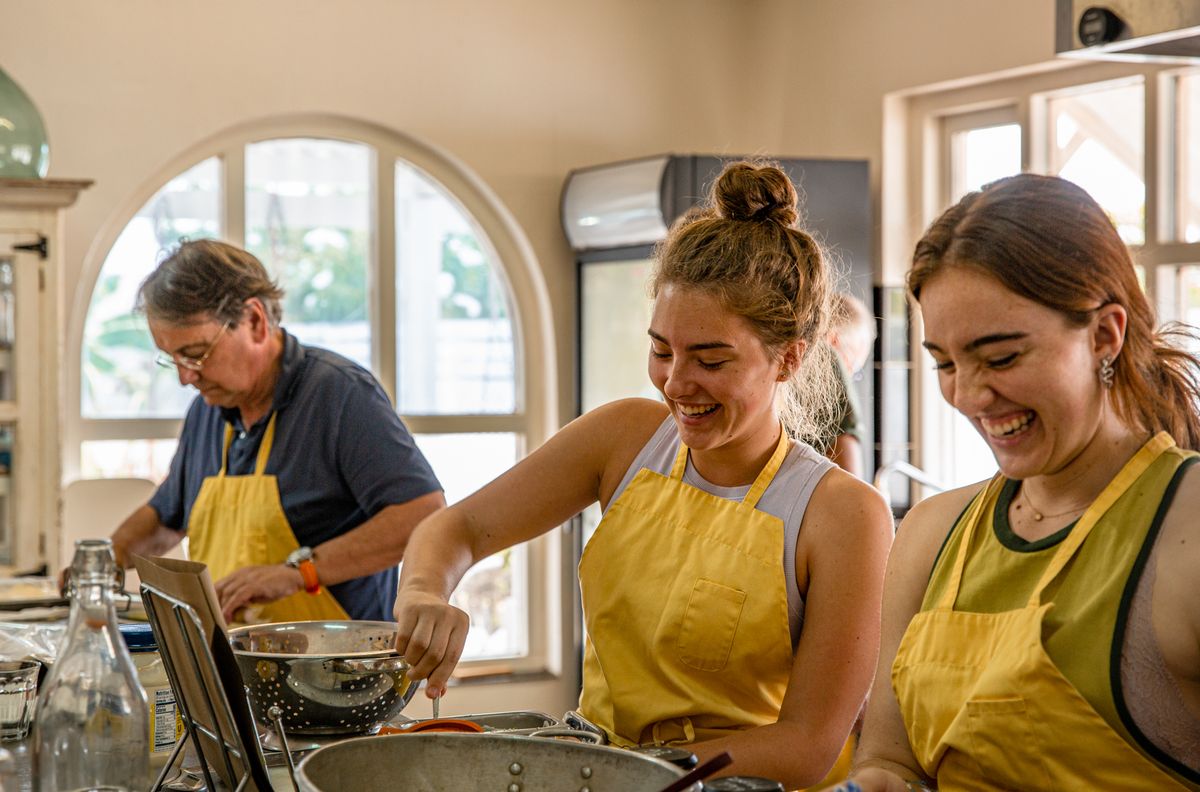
{"x":709,"y":624}
{"x":1003,"y":743}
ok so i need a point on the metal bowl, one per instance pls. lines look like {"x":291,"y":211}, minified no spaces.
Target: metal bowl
{"x":456,"y":762}
{"x":326,"y":677}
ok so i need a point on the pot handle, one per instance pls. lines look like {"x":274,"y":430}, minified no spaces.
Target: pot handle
{"x":576,"y":721}
{"x":562,"y":731}
{"x":369,"y":665}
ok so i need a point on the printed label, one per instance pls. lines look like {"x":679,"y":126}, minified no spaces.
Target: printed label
{"x":165,"y":724}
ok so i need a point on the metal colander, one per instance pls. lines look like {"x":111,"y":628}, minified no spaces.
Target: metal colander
{"x":326,"y":677}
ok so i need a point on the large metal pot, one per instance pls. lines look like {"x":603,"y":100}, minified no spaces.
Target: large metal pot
{"x":456,"y":762}
{"x":325,"y":677}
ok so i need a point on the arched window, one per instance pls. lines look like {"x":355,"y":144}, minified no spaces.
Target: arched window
{"x":390,"y":255}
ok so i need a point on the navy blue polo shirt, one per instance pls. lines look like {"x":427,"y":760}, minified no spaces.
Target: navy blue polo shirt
{"x":340,"y":456}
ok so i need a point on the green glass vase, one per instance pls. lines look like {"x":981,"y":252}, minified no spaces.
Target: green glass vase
{"x":24,"y":151}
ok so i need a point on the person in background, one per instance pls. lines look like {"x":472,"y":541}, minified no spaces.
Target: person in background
{"x":851,"y":334}
{"x":715,"y":589}
{"x":1042,"y":629}
{"x":294,"y":479}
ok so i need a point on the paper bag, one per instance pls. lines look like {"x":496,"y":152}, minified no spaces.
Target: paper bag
{"x":187,"y":582}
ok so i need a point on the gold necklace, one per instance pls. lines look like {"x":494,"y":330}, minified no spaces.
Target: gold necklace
{"x":1038,"y":516}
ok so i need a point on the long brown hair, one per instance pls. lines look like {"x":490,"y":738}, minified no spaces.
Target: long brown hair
{"x":745,"y":249}
{"x":1047,"y":240}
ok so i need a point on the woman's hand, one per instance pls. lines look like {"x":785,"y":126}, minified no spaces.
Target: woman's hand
{"x":431,"y":636}
{"x":874,"y":779}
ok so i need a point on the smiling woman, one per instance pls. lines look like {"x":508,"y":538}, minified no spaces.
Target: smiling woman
{"x":1037,"y":634}
{"x":713,"y":589}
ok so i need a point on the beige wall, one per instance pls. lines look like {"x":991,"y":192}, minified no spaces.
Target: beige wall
{"x":519,"y":92}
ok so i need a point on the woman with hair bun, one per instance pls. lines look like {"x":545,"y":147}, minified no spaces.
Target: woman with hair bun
{"x":731,"y":592}
{"x":1042,"y":629}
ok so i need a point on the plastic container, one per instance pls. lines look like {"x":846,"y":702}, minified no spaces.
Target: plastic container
{"x":166,"y":725}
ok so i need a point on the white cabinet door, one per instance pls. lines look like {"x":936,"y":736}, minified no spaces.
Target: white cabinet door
{"x":21,"y":398}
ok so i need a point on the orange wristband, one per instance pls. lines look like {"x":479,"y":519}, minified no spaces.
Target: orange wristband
{"x":308,"y":571}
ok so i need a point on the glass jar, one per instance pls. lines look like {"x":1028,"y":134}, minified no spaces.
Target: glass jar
{"x":166,"y":724}
{"x":92,"y":729}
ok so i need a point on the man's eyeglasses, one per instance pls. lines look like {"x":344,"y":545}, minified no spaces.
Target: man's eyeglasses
{"x":191,"y":363}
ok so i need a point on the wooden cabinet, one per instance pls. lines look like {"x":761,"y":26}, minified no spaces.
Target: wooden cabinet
{"x":31,"y":365}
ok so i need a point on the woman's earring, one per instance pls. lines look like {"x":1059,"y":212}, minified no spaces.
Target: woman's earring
{"x":1107,"y":372}
{"x":784,"y":375}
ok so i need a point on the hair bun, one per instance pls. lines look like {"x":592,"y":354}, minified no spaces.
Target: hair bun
{"x":749,"y":192}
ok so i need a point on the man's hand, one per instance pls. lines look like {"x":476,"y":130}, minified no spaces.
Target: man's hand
{"x":256,"y":584}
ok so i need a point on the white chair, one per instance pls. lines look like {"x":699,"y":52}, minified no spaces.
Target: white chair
{"x":93,"y":508}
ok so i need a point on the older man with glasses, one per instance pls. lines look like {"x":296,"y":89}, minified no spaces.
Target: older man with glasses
{"x":294,"y":480}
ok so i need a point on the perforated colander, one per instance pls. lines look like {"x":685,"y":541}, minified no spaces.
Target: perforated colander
{"x":326,"y":677}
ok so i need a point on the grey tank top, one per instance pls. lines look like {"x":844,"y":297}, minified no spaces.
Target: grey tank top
{"x":786,"y":498}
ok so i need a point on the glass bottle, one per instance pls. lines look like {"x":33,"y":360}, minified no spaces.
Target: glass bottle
{"x":92,"y":727}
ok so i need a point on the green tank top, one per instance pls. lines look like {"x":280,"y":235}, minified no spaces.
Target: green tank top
{"x":1084,"y":630}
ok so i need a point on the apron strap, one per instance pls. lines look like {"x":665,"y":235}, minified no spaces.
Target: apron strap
{"x":971,"y":520}
{"x":225,"y":450}
{"x":264,"y":448}
{"x":1130,"y":473}
{"x":680,"y":462}
{"x":765,"y":476}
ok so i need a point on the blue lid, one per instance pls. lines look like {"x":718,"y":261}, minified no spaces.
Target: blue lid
{"x":139,"y":637}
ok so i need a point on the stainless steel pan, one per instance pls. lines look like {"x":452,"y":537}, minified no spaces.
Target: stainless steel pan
{"x":456,"y":762}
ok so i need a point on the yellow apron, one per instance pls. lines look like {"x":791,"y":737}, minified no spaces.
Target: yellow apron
{"x":984,"y":705}
{"x":686,"y":610}
{"x":238,"y":521}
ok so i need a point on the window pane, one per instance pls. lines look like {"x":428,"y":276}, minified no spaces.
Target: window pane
{"x":119,"y":378}
{"x":1096,"y":140}
{"x":454,"y":336}
{"x":148,"y":459}
{"x":494,"y":591}
{"x":308,"y":208}
{"x":1187,"y":157}
{"x":1188,"y":296}
{"x":980,"y":156}
{"x":615,"y":310}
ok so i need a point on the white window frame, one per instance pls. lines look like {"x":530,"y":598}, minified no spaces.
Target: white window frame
{"x":915,"y":189}
{"x":535,"y":418}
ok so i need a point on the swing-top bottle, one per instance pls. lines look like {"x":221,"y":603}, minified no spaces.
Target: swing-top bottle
{"x":92,"y":727}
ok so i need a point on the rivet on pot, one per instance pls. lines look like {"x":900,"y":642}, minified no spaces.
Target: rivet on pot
{"x":586,"y":772}
{"x":515,"y":768}
{"x":514,"y":787}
